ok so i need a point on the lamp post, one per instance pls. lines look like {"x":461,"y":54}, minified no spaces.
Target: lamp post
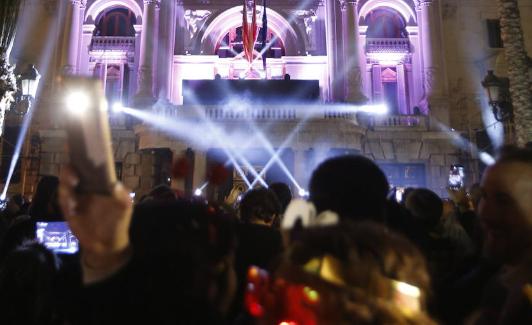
{"x":498,"y":90}
{"x":29,"y":82}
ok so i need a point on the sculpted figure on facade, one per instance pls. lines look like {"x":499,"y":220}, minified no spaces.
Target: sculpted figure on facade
{"x":422,"y":3}
{"x":195,"y":20}
{"x":307,"y":19}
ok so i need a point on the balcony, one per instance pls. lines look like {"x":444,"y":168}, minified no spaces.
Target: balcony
{"x":113,"y":43}
{"x":274,"y":112}
{"x":388,"y":45}
{"x":398,"y":122}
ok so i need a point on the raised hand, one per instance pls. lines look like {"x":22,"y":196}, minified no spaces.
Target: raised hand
{"x":101,"y":224}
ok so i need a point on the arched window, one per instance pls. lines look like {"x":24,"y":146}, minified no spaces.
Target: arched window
{"x":231,"y":44}
{"x":385,"y":23}
{"x":116,"y":22}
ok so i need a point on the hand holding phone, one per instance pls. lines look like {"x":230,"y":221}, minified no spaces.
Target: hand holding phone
{"x":101,"y":224}
{"x":89,"y":135}
{"x":57,"y":237}
{"x":456,"y":177}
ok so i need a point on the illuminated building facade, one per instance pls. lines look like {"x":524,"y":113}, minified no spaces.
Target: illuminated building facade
{"x":423,"y":59}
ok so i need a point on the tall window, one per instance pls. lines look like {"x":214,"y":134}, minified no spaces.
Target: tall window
{"x":116,"y":22}
{"x":115,"y":78}
{"x":389,"y":89}
{"x":494,"y":33}
{"x":231,"y":45}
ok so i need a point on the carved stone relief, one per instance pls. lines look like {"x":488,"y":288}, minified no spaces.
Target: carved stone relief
{"x":307,"y":19}
{"x":194,"y":20}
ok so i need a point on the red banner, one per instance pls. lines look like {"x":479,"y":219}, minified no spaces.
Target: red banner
{"x":249,"y":31}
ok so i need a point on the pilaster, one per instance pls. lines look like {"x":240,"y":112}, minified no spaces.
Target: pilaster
{"x":351,"y":46}
{"x":148,"y":48}
{"x":74,"y":31}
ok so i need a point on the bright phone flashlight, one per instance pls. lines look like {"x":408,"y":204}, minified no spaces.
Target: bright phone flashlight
{"x":77,"y":102}
{"x":117,"y":107}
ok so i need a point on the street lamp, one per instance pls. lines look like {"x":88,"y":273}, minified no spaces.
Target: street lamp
{"x":29,"y":80}
{"x":498,"y":90}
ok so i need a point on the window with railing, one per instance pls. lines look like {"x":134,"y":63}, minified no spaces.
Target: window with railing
{"x":388,"y":53}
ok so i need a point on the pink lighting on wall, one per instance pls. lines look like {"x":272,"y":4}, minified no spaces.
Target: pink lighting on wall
{"x":100,"y":5}
{"x":232,"y":18}
{"x":400,"y":6}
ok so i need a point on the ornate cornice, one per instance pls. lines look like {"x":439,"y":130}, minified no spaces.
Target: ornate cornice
{"x":156,"y":3}
{"x":345,"y":3}
{"x":80,"y":3}
{"x":422,"y":3}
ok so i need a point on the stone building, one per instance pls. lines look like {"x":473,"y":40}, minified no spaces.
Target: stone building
{"x":423,"y":59}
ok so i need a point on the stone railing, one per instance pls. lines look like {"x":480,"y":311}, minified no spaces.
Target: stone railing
{"x":399,"y":122}
{"x":113,"y":43}
{"x":281,"y":112}
{"x":387,"y":45}
{"x":263,"y":113}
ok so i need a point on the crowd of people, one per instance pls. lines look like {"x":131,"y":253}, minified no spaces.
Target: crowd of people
{"x":349,"y":254}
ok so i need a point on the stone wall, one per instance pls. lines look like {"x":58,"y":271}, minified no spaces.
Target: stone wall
{"x":433,"y":149}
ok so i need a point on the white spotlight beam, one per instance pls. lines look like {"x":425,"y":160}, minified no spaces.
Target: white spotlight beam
{"x":18,"y":148}
{"x":275,"y":156}
{"x":173,"y":127}
{"x":465,"y":144}
{"x":222,"y":137}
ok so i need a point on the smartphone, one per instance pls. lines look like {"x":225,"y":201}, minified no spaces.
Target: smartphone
{"x":89,"y":135}
{"x":456,"y":176}
{"x":399,"y":193}
{"x":57,"y":237}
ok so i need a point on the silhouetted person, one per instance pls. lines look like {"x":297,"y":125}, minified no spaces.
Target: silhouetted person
{"x":160,"y":194}
{"x":352,"y":186}
{"x":260,"y":206}
{"x":505,"y":212}
{"x":45,"y":206}
{"x":27,"y":279}
{"x":283,"y":193}
{"x":258,"y":242}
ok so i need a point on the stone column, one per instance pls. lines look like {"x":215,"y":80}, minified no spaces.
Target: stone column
{"x":88,"y":30}
{"x":166,"y":48}
{"x":73,"y":31}
{"x":332,"y":51}
{"x":351,"y":39}
{"x":428,"y":19}
{"x":376,"y":84}
{"x":148,"y":45}
{"x":402,"y":89}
